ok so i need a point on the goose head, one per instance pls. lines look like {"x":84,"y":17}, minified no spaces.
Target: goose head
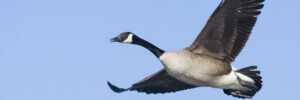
{"x":125,"y":37}
{"x":130,"y":38}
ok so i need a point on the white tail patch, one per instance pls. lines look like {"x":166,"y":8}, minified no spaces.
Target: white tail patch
{"x":242,"y":76}
{"x":245,"y":78}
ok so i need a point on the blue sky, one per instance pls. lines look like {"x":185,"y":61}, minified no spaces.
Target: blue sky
{"x":60,"y":49}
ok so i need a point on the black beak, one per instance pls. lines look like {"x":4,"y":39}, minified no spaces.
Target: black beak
{"x":114,"y":39}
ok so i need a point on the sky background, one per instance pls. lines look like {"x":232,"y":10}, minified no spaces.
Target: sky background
{"x":60,"y":49}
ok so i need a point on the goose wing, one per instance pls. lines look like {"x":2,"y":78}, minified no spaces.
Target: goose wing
{"x":228,"y":29}
{"x":159,"y":82}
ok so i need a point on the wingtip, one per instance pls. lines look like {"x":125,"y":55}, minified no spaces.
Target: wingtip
{"x":115,"y":88}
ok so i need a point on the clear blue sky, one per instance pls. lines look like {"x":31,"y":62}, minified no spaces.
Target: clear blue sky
{"x":60,"y":49}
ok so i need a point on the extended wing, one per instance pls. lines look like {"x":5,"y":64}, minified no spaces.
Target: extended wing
{"x":159,"y":82}
{"x":228,"y":29}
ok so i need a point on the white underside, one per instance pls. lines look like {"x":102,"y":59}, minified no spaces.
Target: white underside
{"x":200,"y":71}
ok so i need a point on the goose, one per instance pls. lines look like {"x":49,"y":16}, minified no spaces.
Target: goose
{"x":207,"y":61}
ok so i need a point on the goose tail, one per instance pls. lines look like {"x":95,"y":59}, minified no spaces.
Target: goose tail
{"x":250,"y":79}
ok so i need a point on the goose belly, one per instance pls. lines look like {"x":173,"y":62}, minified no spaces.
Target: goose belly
{"x":194,"y":70}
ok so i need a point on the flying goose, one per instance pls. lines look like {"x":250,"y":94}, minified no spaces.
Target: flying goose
{"x":207,"y":62}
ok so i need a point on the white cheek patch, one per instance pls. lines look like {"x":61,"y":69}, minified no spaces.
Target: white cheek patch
{"x":128,"y":39}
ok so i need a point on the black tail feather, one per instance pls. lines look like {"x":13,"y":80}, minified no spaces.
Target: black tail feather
{"x":253,"y":74}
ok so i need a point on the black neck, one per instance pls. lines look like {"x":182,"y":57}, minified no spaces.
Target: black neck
{"x":155,"y":50}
